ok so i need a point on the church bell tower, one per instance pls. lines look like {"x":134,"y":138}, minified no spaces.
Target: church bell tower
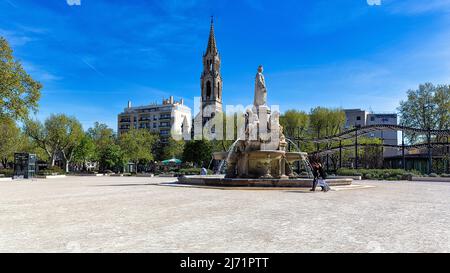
{"x":211,"y":79}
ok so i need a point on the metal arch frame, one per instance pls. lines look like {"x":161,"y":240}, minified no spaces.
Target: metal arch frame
{"x":407,"y":147}
{"x":363,"y":130}
{"x":349,"y":134}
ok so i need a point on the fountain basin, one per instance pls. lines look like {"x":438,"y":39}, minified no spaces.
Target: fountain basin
{"x":221,"y":181}
{"x":265,"y":164}
{"x":292,"y":157}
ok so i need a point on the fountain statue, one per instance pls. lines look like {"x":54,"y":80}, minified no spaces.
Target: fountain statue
{"x":260,"y":88}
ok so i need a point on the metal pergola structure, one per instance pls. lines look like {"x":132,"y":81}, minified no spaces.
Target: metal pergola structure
{"x":363,"y":130}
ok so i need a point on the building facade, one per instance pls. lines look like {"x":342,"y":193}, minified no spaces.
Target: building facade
{"x":166,"y":118}
{"x":359,"y":118}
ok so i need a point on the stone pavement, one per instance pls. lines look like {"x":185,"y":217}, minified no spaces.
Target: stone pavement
{"x":129,"y":214}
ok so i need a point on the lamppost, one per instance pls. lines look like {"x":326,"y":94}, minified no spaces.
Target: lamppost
{"x":428,"y":119}
{"x":403,"y":151}
{"x":356,"y":146}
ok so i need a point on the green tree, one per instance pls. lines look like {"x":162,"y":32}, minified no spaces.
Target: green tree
{"x":101,"y":134}
{"x":427,"y":107}
{"x":295,"y":123}
{"x":19,"y":93}
{"x":326,"y":121}
{"x":198,"y":151}
{"x":85,"y":151}
{"x":138,"y":145}
{"x":59,"y":134}
{"x":27,"y":145}
{"x":173,"y":149}
{"x":40,"y":137}
{"x":103,"y":138}
{"x":70,"y":133}
{"x":112,"y":158}
{"x":10,"y":137}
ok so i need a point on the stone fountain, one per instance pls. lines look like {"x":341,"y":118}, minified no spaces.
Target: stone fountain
{"x":260,"y":153}
{"x":259,"y":157}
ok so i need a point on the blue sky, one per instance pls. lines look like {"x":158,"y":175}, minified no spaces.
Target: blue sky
{"x":94,"y":57}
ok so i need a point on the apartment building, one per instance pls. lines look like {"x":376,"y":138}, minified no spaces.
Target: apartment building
{"x":165,"y":118}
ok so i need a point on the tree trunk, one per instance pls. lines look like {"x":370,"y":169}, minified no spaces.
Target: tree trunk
{"x":67,"y":159}
{"x":5,"y":162}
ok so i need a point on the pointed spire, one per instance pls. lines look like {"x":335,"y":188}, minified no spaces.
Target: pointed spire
{"x":212,"y":47}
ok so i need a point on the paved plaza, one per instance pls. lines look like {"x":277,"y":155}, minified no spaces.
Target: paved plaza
{"x":129,"y":214}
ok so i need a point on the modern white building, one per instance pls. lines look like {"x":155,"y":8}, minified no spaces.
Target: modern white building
{"x":166,"y":118}
{"x":358,"y":117}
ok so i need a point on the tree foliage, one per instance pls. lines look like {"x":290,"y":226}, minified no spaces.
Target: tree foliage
{"x":10,"y":138}
{"x":295,"y":123}
{"x":111,"y":158}
{"x":198,"y":151}
{"x":427,"y":107}
{"x":326,"y":121}
{"x":173,"y":149}
{"x":40,"y":137}
{"x":103,"y":138}
{"x":85,"y":151}
{"x":19,"y":93}
{"x":137,"y":145}
{"x":59,"y":134}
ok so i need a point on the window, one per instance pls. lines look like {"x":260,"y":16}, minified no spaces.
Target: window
{"x":358,"y":118}
{"x":208,"y":90}
{"x":218,"y":90}
{"x":372,"y":118}
{"x":165,"y":116}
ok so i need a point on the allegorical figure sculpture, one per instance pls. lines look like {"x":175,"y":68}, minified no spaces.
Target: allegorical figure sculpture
{"x":260,"y":88}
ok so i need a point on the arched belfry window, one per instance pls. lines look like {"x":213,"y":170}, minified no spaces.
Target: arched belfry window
{"x":208,"y":90}
{"x":218,"y":90}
